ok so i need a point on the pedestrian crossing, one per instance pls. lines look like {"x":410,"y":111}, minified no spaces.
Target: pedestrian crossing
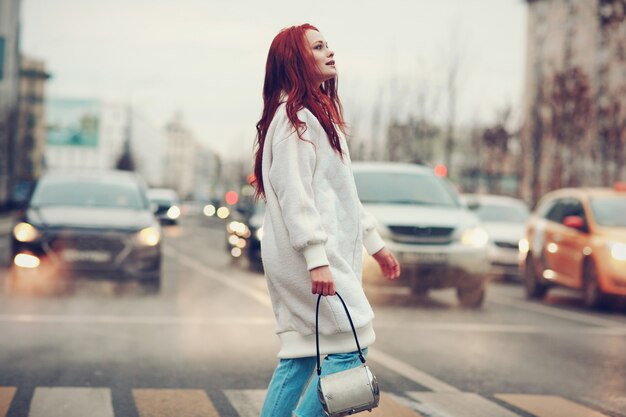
{"x":98,"y":402}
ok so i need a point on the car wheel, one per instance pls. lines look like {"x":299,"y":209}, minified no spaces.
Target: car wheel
{"x":152,"y":284}
{"x":535,"y":288}
{"x":420,"y":291}
{"x":418,"y":288}
{"x":471,"y":297}
{"x":593,"y":297}
{"x":255,"y":266}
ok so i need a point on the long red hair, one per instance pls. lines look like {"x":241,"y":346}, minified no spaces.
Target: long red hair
{"x":291,"y":68}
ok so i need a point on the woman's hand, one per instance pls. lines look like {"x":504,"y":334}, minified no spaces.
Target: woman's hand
{"x":388,"y":263}
{"x":322,"y":281}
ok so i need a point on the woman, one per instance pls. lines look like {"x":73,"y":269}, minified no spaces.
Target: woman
{"x":315,"y":226}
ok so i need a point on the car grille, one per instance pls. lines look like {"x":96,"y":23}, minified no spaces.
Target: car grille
{"x":89,"y":249}
{"x":506,"y":245}
{"x":418,"y":235}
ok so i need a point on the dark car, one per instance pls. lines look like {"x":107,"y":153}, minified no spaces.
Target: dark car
{"x":167,"y":204}
{"x":96,"y":223}
{"x":244,"y":233}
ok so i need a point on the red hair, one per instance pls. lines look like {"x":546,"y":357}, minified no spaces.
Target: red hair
{"x":291,"y":68}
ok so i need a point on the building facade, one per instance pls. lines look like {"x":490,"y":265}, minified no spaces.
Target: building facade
{"x":575,"y":94}
{"x":30,"y":141}
{"x":9,"y":92}
{"x":180,"y":159}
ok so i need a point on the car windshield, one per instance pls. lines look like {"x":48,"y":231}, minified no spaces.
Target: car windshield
{"x":609,"y":211}
{"x":92,"y":193}
{"x":404,"y":188}
{"x":502,"y":213}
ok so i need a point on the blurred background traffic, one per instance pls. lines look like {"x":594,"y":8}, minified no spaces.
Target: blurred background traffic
{"x":546,"y":111}
{"x":487,"y":138}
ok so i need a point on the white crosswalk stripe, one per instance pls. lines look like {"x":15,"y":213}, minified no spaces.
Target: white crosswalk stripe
{"x":248,"y":403}
{"x":548,"y":406}
{"x":462,"y":404}
{"x":71,"y":402}
{"x":156,"y":402}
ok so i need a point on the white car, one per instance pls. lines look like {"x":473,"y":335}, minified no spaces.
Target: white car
{"x":504,"y":219}
{"x":438,"y":241}
{"x":167,"y":207}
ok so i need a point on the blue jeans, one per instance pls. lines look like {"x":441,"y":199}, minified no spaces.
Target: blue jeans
{"x":293,"y":388}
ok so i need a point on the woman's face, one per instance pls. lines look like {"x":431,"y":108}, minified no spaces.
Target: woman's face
{"x":324,"y":57}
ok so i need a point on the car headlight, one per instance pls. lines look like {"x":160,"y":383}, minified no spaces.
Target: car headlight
{"x":209,"y":210}
{"x":149,"y":236}
{"x":173,"y":212}
{"x":475,"y":236}
{"x":223,"y":212}
{"x":523,"y":246}
{"x":25,"y":232}
{"x":238,"y":228}
{"x":259,"y":233}
{"x":618,"y":250}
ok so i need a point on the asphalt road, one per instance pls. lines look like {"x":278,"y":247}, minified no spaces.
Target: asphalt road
{"x":204,"y":346}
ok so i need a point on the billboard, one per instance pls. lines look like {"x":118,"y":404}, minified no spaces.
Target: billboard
{"x":72,"y":122}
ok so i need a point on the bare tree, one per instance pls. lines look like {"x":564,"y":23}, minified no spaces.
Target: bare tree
{"x":376,"y":152}
{"x":570,"y":119}
{"x":614,"y":134}
{"x":495,"y":149}
{"x":454,"y":65}
{"x":611,"y":17}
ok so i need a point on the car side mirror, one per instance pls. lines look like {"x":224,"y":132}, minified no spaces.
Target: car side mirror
{"x":575,"y":222}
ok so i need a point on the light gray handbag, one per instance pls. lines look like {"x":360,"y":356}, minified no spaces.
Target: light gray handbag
{"x":347,"y":392}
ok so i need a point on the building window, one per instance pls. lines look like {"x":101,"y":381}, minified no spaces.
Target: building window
{"x":2,"y":49}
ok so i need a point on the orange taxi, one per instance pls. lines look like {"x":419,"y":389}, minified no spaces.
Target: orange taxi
{"x":576,"y":238}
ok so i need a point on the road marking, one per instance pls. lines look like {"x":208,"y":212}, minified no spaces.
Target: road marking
{"x":383,"y":359}
{"x":71,"y":402}
{"x":269,"y":321}
{"x":409,"y":372}
{"x":6,"y":396}
{"x":548,"y":406}
{"x":504,"y":328}
{"x":151,"y":320}
{"x":248,"y":403}
{"x":564,"y":314}
{"x":402,"y":368}
{"x":458,"y":405}
{"x":173,"y":403}
{"x":260,"y":296}
{"x":389,"y":406}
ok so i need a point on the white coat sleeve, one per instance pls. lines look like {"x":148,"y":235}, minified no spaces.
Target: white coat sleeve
{"x":371,"y":238}
{"x":291,"y":175}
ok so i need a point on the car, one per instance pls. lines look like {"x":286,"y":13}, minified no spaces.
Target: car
{"x":576,"y":238}
{"x":87,"y":223}
{"x":438,"y":241}
{"x":167,"y":207}
{"x":504,"y":219}
{"x":245,"y":231}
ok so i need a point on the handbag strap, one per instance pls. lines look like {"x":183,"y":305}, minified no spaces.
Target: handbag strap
{"x":317,"y":334}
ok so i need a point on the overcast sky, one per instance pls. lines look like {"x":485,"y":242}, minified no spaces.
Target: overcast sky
{"x":206,"y":58}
